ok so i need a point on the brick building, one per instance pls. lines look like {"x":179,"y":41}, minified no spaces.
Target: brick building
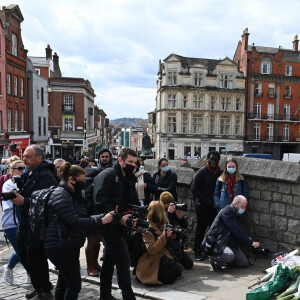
{"x":272,"y":97}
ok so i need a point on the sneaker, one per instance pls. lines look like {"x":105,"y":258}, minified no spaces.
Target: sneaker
{"x":31,"y":294}
{"x":8,"y":275}
{"x":42,"y":295}
{"x":199,"y":256}
{"x":27,"y":280}
{"x":215,"y":263}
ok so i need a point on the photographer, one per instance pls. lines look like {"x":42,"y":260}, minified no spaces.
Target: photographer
{"x":114,"y":189}
{"x":225,"y":234}
{"x":176,"y":217}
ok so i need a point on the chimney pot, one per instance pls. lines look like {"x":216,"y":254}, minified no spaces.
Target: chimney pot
{"x":295,"y":43}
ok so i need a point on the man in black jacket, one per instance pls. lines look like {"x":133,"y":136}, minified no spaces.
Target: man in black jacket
{"x":39,"y":175}
{"x":203,"y":187}
{"x":114,"y":188}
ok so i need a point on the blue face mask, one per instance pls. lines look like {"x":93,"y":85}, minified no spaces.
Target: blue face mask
{"x":142,"y":168}
{"x":165,"y":169}
{"x":241,"y":211}
{"x":231,"y":170}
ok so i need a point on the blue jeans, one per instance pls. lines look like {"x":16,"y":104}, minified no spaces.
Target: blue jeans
{"x":11,"y":234}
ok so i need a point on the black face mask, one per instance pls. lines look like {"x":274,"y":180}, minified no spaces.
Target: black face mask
{"x":78,"y":186}
{"x":129,"y":169}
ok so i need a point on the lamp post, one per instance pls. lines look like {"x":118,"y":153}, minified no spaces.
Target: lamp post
{"x":85,"y":146}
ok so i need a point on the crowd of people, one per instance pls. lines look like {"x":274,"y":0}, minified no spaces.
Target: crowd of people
{"x":91,"y":202}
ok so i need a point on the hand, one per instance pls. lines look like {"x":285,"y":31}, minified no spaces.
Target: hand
{"x":168,"y":233}
{"x":145,"y":185}
{"x":108,"y":218}
{"x":255,"y":244}
{"x":171,"y":208}
{"x":124,"y":219}
{"x":19,"y":200}
{"x":179,"y":213}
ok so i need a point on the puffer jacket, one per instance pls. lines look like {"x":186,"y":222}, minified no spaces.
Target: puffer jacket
{"x":68,"y":221}
{"x":221,"y":194}
{"x":165,"y":183}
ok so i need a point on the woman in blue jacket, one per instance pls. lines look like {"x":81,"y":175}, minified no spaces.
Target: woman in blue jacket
{"x":230,"y":184}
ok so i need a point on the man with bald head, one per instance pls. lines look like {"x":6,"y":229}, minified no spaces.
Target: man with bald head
{"x":226,"y":234}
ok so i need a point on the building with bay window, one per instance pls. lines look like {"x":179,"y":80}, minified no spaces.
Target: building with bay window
{"x":200,"y":106}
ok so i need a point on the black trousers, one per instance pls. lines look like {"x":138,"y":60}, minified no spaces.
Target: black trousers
{"x":205,"y":217}
{"x":34,"y":260}
{"x":116,"y":253}
{"x":66,"y":261}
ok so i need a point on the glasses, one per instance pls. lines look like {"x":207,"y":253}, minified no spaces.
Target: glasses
{"x":19,"y":168}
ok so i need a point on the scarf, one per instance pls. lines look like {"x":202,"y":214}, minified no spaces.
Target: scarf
{"x":211,"y":171}
{"x":139,"y":186}
{"x":230,"y":183}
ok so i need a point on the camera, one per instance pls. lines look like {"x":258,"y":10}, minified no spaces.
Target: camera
{"x":260,"y":250}
{"x":180,"y":234}
{"x":181,"y":206}
{"x":9,"y":195}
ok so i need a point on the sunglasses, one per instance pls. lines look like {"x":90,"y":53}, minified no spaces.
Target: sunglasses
{"x":19,"y":168}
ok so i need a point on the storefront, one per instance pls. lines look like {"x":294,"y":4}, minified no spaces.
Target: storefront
{"x":18,"y":144}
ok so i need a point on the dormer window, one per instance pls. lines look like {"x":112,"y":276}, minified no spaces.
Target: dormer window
{"x":198,"y":79}
{"x":172,"y":77}
{"x":266,"y":66}
{"x":226,"y":81}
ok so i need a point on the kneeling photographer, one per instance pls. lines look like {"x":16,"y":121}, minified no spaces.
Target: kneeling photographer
{"x":222,"y":241}
{"x":176,"y":217}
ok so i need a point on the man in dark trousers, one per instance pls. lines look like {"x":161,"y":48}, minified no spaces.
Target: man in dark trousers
{"x":39,"y":175}
{"x":114,"y":188}
{"x":203,"y":187}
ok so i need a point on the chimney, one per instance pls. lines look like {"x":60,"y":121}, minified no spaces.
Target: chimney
{"x":56,"y":68}
{"x":48,"y":52}
{"x":245,"y":39}
{"x":295,"y":43}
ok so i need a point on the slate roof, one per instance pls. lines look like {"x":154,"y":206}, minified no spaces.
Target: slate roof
{"x":270,"y":50}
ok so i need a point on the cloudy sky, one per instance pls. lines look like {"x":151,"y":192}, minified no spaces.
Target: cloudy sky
{"x":117,"y":44}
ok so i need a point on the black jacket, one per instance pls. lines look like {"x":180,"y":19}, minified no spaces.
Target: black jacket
{"x":113,"y":191}
{"x":165,"y":183}
{"x":203,"y":186}
{"x":41,"y":177}
{"x":226,"y":231}
{"x":68,"y":221}
{"x":174,"y":220}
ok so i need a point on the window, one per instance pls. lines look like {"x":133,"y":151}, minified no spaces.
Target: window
{"x":288,"y":70}
{"x":42,"y":96}
{"x":286,"y":132}
{"x":14,"y":49}
{"x":198,"y":102}
{"x":271,"y":90}
{"x":44,"y":126}
{"x":197,"y":151}
{"x":68,"y":122}
{"x":212,"y":103}
{"x":15,"y":85}
{"x":212,"y":125}
{"x":225,"y":104}
{"x":9,"y":119}
{"x":198,"y":79}
{"x":197,"y":125}
{"x":22,"y":87}
{"x":288,"y":91}
{"x":68,"y":102}
{"x":0,"y":121}
{"x":258,"y":90}
{"x":237,"y":126}
{"x":171,"y":101}
{"x":171,"y":124}
{"x":238,"y":104}
{"x":257,"y":110}
{"x":187,"y":151}
{"x":172,"y":77}
{"x":265,"y":66}
{"x":22,"y":120}
{"x":257,"y":131}
{"x":8,"y":84}
{"x":226,"y":81}
{"x":16,"y":120}
{"x":40,"y":126}
{"x":270,"y":115}
{"x":270,"y":131}
{"x":185,"y":101}
{"x":286,"y":112}
{"x":184,"y":124}
{"x":224,"y":125}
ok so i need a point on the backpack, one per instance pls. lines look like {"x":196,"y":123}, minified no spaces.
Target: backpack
{"x":38,"y":211}
{"x":136,"y":246}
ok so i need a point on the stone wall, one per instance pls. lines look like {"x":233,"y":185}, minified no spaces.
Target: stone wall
{"x":273,"y":213}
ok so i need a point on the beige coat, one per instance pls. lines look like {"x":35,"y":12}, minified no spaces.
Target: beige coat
{"x":148,"y":265}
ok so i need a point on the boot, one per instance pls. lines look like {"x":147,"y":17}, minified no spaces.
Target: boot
{"x":95,"y":258}
{"x":89,"y":263}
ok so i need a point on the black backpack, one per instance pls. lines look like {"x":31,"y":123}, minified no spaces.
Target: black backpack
{"x":38,"y":211}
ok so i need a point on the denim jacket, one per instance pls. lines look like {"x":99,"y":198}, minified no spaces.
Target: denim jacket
{"x":221,"y":194}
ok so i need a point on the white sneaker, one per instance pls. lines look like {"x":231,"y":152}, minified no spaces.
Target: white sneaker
{"x":27,"y":280}
{"x":8,"y":275}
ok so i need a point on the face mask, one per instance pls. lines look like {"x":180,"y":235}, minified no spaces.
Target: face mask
{"x":78,"y":186}
{"x":241,"y":211}
{"x":129,"y":169}
{"x":165,"y":169}
{"x":142,"y":168}
{"x":231,"y":170}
